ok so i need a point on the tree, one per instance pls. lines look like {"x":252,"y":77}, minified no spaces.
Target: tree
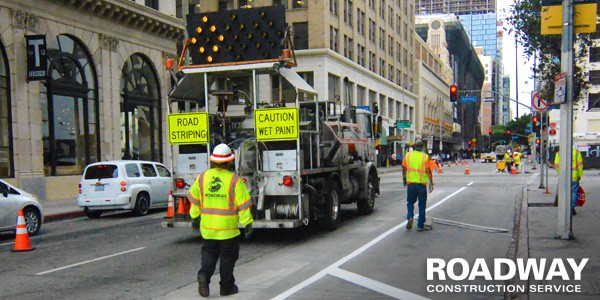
{"x":525,"y":17}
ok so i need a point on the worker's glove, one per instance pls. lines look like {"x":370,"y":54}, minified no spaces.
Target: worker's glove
{"x":196,"y":224}
{"x":430,"y":187}
{"x":248,"y":231}
{"x":404,"y":182}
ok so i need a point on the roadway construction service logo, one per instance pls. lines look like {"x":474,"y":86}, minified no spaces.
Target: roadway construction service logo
{"x":453,"y":273}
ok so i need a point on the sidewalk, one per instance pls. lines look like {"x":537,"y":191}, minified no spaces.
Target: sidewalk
{"x":56,"y":210}
{"x":541,"y":229}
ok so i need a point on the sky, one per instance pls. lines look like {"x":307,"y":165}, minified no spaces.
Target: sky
{"x":514,"y":60}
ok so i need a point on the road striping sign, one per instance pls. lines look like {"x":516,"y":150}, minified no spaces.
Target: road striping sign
{"x":537,"y":103}
{"x":188,"y":128}
{"x":276,"y":124}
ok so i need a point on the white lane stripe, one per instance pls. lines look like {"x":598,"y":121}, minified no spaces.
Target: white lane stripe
{"x":89,"y":261}
{"x":5,"y":244}
{"x":470,"y":183}
{"x":352,"y":255}
{"x":377,"y":286}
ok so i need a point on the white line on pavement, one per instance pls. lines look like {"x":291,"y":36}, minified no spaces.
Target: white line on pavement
{"x":89,"y":261}
{"x":352,"y":255}
{"x":377,"y":286}
{"x":470,"y":183}
{"x":7,"y":244}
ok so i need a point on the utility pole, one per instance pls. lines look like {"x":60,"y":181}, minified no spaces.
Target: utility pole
{"x":566,"y":127}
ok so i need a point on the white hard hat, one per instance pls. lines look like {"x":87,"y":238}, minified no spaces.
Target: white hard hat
{"x":222,"y":153}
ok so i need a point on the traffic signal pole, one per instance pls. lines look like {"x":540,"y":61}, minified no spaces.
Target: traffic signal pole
{"x":566,"y":127}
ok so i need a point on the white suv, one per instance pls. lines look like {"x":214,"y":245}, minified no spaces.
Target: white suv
{"x":124,"y":184}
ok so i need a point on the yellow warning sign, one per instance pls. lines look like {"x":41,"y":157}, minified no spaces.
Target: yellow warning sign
{"x":188,"y":128}
{"x":276,"y":124}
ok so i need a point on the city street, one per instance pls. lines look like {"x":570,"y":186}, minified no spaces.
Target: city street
{"x":368,"y":257}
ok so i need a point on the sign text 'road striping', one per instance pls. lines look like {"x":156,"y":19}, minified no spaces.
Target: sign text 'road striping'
{"x":188,"y":128}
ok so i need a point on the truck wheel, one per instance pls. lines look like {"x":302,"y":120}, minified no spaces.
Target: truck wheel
{"x":331,"y":212}
{"x":92,"y":214}
{"x":365,"y":205}
{"x":142,"y":205}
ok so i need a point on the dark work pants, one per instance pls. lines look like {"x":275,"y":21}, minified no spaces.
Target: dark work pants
{"x":226,"y":250}
{"x":416,"y":192}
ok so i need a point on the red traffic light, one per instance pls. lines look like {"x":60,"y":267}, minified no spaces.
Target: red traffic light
{"x":453,"y":93}
{"x":489,"y":132}
{"x":535,"y":120}
{"x":537,"y":141}
{"x":508,"y":132}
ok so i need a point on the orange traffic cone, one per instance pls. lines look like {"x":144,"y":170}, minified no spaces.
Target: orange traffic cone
{"x":181,"y":206}
{"x":513,"y":170}
{"x":457,"y":162}
{"x":22,"y":238}
{"x":467,"y":172}
{"x":170,"y":213}
{"x":440,"y":171}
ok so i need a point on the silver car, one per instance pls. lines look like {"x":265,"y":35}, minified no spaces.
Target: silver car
{"x":12,"y":200}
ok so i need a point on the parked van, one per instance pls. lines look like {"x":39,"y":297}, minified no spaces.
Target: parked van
{"x":124,"y":185}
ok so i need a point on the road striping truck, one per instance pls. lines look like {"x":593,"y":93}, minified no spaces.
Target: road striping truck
{"x":300,"y":157}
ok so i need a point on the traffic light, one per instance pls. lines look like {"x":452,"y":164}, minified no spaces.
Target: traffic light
{"x":489,"y":132}
{"x":508,"y":131}
{"x":469,"y":142}
{"x":535,"y":124}
{"x":453,"y":93}
{"x":537,"y":141}
{"x":236,"y":35}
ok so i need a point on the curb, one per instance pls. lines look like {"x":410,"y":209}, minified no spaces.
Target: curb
{"x":63,"y":216}
{"x":519,"y":247}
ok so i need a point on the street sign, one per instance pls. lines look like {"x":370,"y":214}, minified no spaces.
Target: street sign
{"x":468,"y":99}
{"x":560,"y":87}
{"x":188,"y":128}
{"x":488,"y":99}
{"x":552,"y":131}
{"x":402,"y":124}
{"x":515,"y":137}
{"x":584,"y":17}
{"x":537,"y":103}
{"x":365,"y":107}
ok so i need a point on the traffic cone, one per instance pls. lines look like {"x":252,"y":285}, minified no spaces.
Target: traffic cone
{"x":181,"y":206}
{"x":170,"y":213}
{"x":457,"y":162}
{"x":22,"y":237}
{"x":467,"y":172}
{"x":513,"y":170}
{"x":440,"y":171}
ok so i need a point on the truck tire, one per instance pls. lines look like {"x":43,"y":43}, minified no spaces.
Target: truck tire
{"x":365,"y":205}
{"x":331,"y":210}
{"x":92,"y":214}
{"x":142,"y":204}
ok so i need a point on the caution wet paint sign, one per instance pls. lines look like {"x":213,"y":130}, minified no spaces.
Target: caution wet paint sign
{"x":276,"y":124}
{"x":188,"y":128}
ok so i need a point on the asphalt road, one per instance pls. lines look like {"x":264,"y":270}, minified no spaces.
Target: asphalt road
{"x":120,"y":256}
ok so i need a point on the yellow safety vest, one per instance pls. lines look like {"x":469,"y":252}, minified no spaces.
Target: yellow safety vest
{"x":576,"y":166}
{"x":416,"y":163}
{"x":224,"y":202}
{"x":506,"y":158}
{"x":517,"y":158}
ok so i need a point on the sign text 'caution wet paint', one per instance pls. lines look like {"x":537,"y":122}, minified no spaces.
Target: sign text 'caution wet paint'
{"x":276,"y":124}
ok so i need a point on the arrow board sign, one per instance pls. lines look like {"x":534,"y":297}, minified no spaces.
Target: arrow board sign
{"x":537,"y":103}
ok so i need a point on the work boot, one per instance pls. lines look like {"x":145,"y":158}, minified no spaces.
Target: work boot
{"x":203,"y":289}
{"x":409,"y":224}
{"x":424,"y":228}
{"x":232,"y":291}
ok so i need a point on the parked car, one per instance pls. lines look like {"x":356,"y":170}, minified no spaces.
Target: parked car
{"x":124,"y":185}
{"x":488,"y":157}
{"x":12,"y":200}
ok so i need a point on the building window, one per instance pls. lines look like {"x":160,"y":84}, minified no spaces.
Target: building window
{"x":594,"y":77}
{"x":381,"y":38}
{"x":382,"y":67}
{"x":348,"y":10}
{"x":140,"y":110}
{"x":281,"y":2}
{"x":593,"y":101}
{"x":360,"y":96}
{"x":299,"y":4}
{"x":309,"y":77}
{"x":391,"y":72}
{"x":372,"y":63}
{"x":372,"y":4}
{"x":6,"y":152}
{"x":333,"y":7}
{"x":360,"y":21}
{"x":333,"y":38}
{"x":361,"y":55}
{"x":391,"y":17}
{"x":382,"y":9}
{"x":348,"y":92}
{"x":391,"y":46}
{"x":69,"y":109}
{"x":152,"y":4}
{"x":372,"y":32}
{"x":348,"y":47}
{"x":594,"y":54}
{"x":301,"y":35}
{"x":333,"y":87}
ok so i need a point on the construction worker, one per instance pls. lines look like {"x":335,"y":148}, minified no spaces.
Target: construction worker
{"x":416,"y":172}
{"x":517,"y":161}
{"x":222,"y":201}
{"x":508,"y":161}
{"x":576,"y":174}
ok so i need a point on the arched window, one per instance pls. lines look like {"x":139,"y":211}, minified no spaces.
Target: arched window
{"x":69,"y":108}
{"x":140,"y":110}
{"x":6,"y":156}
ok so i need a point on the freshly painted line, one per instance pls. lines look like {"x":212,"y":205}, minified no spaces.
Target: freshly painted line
{"x":89,"y":261}
{"x":377,"y":286}
{"x":470,"y":183}
{"x":352,"y":255}
{"x":7,"y":244}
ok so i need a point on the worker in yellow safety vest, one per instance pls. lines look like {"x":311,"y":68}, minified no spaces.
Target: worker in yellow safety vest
{"x":517,"y":161}
{"x":576,"y":174}
{"x":221,"y":200}
{"x":508,"y":161}
{"x":415,"y":174}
